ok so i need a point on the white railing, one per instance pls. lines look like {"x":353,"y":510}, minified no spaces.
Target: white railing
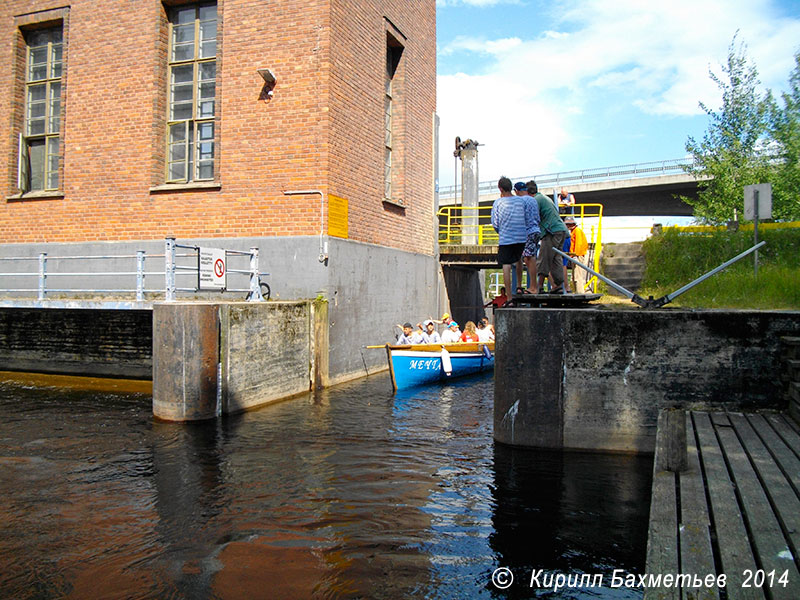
{"x":176,"y":265}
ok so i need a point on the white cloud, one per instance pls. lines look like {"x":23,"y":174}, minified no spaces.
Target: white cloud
{"x":652,"y":57}
{"x":518,"y":135}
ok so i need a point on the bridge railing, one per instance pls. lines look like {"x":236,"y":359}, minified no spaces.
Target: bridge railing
{"x":471,"y":225}
{"x":566,"y":178}
{"x":43,"y":275}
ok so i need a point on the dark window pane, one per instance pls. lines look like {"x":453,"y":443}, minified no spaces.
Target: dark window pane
{"x":181,"y":112}
{"x":37,"y":156}
{"x":177,"y":171}
{"x":208,"y":49}
{"x":184,"y":15}
{"x":208,"y":70}
{"x":183,"y":52}
{"x":182,"y":93}
{"x":177,"y":133}
{"x":208,"y":12}
{"x":205,"y":170}
{"x":182,"y":74}
{"x":37,"y":93}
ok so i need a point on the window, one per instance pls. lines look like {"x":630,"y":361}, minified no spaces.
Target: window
{"x":39,"y":141}
{"x":192,"y":82}
{"x":392,"y":186}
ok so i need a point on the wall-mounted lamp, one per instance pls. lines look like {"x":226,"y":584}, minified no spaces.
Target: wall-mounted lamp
{"x":269,"y":84}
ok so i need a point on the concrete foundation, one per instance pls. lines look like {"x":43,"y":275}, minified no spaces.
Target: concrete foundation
{"x":218,"y":358}
{"x":596,"y":379}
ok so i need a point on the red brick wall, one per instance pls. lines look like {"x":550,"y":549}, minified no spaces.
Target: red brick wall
{"x":358,"y":51}
{"x":323,"y":129}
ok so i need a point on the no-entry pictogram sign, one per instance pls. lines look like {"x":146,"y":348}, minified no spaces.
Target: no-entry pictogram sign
{"x":212,"y":270}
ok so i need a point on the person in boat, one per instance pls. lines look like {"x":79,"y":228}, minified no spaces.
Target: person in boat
{"x":485,"y":333}
{"x":452,"y":334}
{"x":429,"y":334}
{"x":408,"y":336}
{"x":470,"y":334}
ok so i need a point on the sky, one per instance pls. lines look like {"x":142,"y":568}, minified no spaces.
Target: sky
{"x":566,"y":85}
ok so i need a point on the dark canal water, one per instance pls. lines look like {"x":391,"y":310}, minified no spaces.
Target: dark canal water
{"x":348,"y":493}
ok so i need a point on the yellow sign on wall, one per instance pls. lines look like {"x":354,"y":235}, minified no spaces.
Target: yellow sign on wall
{"x":337,"y":217}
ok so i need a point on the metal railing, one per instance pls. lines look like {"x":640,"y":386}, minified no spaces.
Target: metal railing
{"x":471,"y":225}
{"x":545,"y":180}
{"x":175,"y":265}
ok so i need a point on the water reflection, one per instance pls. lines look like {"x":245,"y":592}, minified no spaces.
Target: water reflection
{"x":348,"y":493}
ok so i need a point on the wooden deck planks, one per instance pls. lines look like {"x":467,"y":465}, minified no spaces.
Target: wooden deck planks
{"x":662,"y":537}
{"x":737,"y":509}
{"x":731,"y":535}
{"x":765,"y":532}
{"x":695,"y":526}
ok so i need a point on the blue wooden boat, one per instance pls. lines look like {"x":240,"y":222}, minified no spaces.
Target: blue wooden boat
{"x":420,"y":364}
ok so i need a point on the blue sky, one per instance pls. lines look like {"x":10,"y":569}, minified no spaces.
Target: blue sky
{"x":566,"y":84}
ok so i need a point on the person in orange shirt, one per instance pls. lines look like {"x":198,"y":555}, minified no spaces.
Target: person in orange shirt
{"x":470,"y":333}
{"x":578,"y":248}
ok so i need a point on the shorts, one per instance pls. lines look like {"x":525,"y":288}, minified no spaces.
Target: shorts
{"x":532,"y":245}
{"x":508,"y":254}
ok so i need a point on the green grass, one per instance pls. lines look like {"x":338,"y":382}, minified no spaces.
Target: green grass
{"x":675,"y":259}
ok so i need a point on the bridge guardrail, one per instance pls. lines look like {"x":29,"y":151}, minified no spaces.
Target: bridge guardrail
{"x":545,"y":180}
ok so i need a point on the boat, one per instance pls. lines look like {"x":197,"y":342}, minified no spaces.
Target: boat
{"x":420,"y":364}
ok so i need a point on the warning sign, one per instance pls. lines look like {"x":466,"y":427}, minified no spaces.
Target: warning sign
{"x":337,"y":217}
{"x":212,"y":269}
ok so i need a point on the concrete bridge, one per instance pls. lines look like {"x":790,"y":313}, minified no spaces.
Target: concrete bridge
{"x":644,"y":189}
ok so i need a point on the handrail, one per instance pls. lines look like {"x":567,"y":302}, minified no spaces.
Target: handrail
{"x":172,"y":270}
{"x":471,"y":225}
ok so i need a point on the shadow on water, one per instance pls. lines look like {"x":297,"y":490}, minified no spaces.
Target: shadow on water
{"x":569,"y":513}
{"x":350,"y":492}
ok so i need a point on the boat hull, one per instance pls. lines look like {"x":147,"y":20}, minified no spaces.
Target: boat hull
{"x":422,"y":364}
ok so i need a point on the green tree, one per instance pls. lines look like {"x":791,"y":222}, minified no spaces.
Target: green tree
{"x":729,"y":157}
{"x":784,"y":131}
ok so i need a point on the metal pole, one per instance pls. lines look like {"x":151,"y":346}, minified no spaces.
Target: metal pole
{"x":255,"y":284}
{"x":755,"y":234}
{"x":688,"y":286}
{"x":42,"y":274}
{"x":169,"y":275}
{"x":140,"y":275}
{"x":616,"y":286}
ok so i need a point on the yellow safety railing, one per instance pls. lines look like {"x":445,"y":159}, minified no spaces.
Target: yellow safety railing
{"x":471,"y":225}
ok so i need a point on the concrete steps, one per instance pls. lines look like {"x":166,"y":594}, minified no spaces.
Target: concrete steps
{"x":790,"y":351}
{"x":623,"y":264}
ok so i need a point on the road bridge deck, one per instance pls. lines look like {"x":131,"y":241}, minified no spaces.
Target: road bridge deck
{"x":734,"y":510}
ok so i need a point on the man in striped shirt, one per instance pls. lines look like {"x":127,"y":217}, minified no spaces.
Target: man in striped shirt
{"x":512,"y":216}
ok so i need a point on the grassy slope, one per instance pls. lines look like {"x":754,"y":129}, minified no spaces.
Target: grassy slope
{"x":674,"y":259}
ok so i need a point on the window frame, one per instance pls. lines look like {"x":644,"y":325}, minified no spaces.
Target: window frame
{"x":50,"y":167}
{"x":193,"y":145}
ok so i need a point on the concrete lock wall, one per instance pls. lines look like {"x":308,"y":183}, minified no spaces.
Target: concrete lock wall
{"x":110,"y":343}
{"x":596,"y":379}
{"x":370,"y":288}
{"x":215,"y":358}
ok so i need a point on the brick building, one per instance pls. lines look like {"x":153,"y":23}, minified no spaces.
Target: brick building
{"x":128,"y":121}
